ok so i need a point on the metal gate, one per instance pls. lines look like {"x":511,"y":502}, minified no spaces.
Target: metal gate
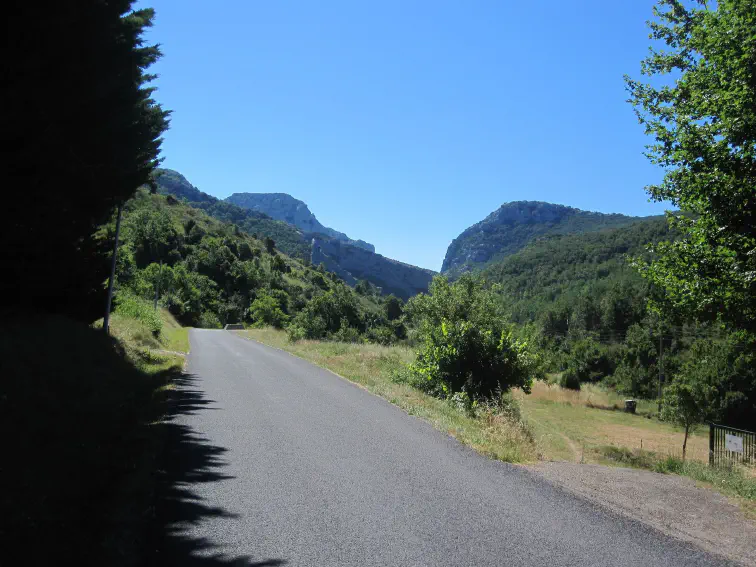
{"x":729,"y":445}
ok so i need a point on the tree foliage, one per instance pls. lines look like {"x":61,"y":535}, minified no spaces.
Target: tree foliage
{"x":82,"y":135}
{"x":703,"y":121}
{"x":466,"y":344}
{"x":266,"y":310}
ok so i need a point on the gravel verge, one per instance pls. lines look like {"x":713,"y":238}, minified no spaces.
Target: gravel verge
{"x":672,"y":504}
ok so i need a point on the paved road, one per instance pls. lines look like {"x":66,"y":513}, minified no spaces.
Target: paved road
{"x":312,"y":470}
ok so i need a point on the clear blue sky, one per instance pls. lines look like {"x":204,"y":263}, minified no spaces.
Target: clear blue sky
{"x":404,"y":122}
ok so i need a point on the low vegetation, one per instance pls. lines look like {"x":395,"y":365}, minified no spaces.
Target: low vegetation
{"x":208,"y":273}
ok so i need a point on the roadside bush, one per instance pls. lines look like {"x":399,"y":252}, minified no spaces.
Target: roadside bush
{"x":588,"y":361}
{"x":325,"y":314}
{"x":309,"y":325}
{"x":466,"y":346}
{"x":460,"y":357}
{"x":266,"y":310}
{"x":570,"y":379}
{"x":382,"y":335}
{"x":295,"y":333}
{"x":140,"y":309}
{"x":402,"y":375}
{"x":346,"y":334}
{"x":209,"y":320}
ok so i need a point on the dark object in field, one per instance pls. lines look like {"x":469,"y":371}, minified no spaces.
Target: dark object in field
{"x":630,"y":406}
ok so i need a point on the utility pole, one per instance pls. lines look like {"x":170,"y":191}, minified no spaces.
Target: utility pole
{"x":106,"y":319}
{"x":661,"y":368}
{"x":157,"y":285}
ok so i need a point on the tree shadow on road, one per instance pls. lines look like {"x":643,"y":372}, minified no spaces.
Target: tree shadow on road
{"x":188,"y":460}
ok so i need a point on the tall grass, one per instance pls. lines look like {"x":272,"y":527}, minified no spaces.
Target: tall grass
{"x":590,"y":395}
{"x":130,"y":306}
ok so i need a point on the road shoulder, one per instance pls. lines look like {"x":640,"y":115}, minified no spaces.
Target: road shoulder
{"x":672,"y":504}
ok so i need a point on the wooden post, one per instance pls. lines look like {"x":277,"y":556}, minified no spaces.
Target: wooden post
{"x":106,"y":319}
{"x":711,"y":444}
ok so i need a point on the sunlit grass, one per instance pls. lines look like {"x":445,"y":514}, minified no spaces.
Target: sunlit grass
{"x":570,"y":425}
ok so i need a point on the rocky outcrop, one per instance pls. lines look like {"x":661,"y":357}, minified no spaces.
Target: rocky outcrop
{"x":513,"y":225}
{"x":352,"y":263}
{"x":281,"y":206}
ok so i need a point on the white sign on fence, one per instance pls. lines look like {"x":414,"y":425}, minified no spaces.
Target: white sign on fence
{"x":734,"y":443}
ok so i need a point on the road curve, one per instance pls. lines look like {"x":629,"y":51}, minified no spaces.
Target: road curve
{"x":309,"y":469}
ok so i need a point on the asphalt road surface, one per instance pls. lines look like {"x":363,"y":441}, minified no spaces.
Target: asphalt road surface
{"x":300,"y":467}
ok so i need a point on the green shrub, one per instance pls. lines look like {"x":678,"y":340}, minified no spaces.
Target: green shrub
{"x":461,"y":357}
{"x":402,"y":375}
{"x":129,"y":305}
{"x":266,"y":310}
{"x":589,"y":361}
{"x":295,"y":333}
{"x":209,"y":320}
{"x":382,"y":335}
{"x":346,"y":334}
{"x":311,"y":326}
{"x":570,"y":379}
{"x":466,"y":345}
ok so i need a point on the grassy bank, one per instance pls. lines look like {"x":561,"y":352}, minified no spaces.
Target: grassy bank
{"x":80,"y":451}
{"x":372,"y":366}
{"x":572,"y":426}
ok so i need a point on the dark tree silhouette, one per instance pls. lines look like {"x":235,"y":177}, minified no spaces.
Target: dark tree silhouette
{"x":81,"y":132}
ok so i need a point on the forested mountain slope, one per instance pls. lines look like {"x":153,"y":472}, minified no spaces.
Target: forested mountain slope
{"x":351,"y":260}
{"x":208,"y":273}
{"x":580,"y":281}
{"x":287,"y":237}
{"x":513,"y":225}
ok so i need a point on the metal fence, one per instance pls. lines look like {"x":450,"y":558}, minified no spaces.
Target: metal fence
{"x":728,"y":445}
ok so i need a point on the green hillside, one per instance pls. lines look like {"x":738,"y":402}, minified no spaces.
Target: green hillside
{"x":208,"y":273}
{"x":288,"y":238}
{"x":514,"y":225}
{"x":580,"y":281}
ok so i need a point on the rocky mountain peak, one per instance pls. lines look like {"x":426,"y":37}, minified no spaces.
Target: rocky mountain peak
{"x":514,"y":225}
{"x":282,"y":206}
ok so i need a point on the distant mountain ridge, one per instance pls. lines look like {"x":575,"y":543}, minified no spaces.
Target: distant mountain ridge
{"x":349,"y":259}
{"x":282,"y":206}
{"x":514,"y":225}
{"x":352,"y":263}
